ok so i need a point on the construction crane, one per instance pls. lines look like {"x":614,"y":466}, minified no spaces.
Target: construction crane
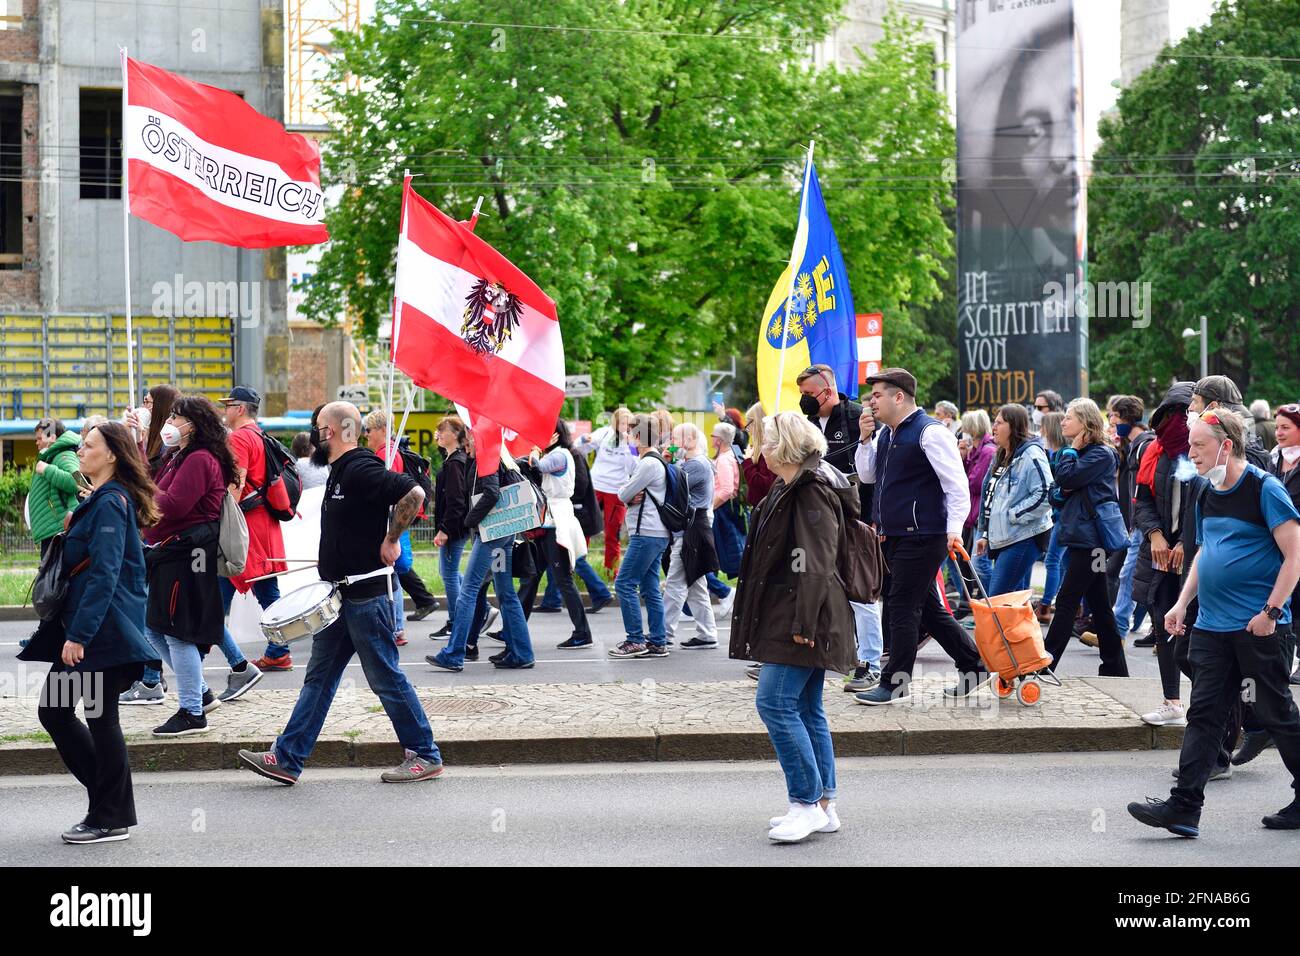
{"x":309,"y":27}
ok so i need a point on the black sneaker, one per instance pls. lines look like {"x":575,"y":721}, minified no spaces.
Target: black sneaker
{"x":512,"y":663}
{"x":656,"y":650}
{"x":1146,"y":640}
{"x":84,"y":834}
{"x":597,"y":605}
{"x":967,"y":684}
{"x":494,"y":658}
{"x":182,"y":724}
{"x":444,"y":631}
{"x":544,"y":609}
{"x":420,"y":613}
{"x":573,"y":642}
{"x":1162,"y":814}
{"x":210,"y":701}
{"x":1253,"y":744}
{"x":471,"y":652}
{"x":1288,"y":818}
{"x":695,"y":644}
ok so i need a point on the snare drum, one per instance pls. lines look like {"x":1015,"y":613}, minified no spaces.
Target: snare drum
{"x":303,"y":612}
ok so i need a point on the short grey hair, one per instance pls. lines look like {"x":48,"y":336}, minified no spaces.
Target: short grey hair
{"x":1260,"y":409}
{"x":948,"y":407}
{"x":789,"y":439}
{"x":976,"y":424}
{"x":689,"y":436}
{"x":726,"y":431}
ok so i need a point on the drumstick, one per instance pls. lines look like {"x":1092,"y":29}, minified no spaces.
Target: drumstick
{"x":293,"y":560}
{"x":275,"y":574}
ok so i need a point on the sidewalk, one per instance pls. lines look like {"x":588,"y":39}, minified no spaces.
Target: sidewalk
{"x":623,"y":721}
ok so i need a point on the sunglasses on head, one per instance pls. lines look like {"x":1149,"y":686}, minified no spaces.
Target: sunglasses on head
{"x":1211,"y":418}
{"x":1292,"y":409}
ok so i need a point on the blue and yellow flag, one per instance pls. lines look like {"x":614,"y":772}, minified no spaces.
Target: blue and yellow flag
{"x":821,"y":329}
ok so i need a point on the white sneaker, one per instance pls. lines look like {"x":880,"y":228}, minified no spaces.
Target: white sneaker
{"x":799,"y":823}
{"x":723,"y":610}
{"x":831,"y":827}
{"x":1167,"y":715}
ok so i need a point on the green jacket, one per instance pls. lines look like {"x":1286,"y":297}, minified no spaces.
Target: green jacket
{"x":54,"y":491}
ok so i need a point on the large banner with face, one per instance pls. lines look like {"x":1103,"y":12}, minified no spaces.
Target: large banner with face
{"x":1020,"y":202}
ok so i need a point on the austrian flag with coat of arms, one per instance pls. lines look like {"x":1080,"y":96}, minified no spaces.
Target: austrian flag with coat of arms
{"x":471,"y":326}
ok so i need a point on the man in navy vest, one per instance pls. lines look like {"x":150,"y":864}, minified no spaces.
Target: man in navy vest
{"x":921,"y":501}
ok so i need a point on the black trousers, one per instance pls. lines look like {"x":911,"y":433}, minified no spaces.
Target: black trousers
{"x":1081,"y":577}
{"x":911,"y":603}
{"x":557,"y":565}
{"x":1228,"y":666}
{"x":95,"y":751}
{"x":413,"y":585}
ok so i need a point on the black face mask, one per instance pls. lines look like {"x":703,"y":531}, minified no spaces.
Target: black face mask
{"x":809,"y":405}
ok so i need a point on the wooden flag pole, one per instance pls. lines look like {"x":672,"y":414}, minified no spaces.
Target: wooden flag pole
{"x":794,"y":271}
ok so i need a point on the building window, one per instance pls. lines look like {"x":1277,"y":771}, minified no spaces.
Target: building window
{"x":101,"y":144}
{"x":11,"y":182}
{"x":11,"y":14}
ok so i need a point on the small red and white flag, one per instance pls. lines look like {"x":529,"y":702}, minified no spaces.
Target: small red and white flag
{"x":469,"y":325}
{"x":203,"y":164}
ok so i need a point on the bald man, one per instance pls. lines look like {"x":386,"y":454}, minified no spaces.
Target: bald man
{"x":364,"y":512}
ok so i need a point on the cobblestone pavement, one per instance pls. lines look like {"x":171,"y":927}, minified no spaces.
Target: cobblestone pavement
{"x":583,"y":709}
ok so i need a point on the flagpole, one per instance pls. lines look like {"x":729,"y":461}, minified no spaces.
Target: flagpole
{"x":794,"y":271}
{"x":126,"y":244}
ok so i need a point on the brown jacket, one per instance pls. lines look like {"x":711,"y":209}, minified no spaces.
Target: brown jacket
{"x":788,"y":580}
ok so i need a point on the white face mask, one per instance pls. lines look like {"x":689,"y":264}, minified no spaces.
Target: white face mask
{"x":1218,"y":475}
{"x":1291,"y":454}
{"x":1192,"y":419}
{"x":171,"y":435}
{"x":1037,"y":417}
{"x":144,"y":416}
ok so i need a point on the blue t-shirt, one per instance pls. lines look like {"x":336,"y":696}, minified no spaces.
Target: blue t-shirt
{"x":1239,"y":561}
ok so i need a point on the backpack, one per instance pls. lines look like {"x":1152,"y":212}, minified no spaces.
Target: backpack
{"x":675,"y":509}
{"x":861,"y":562}
{"x":232,"y":539}
{"x":418,"y":468}
{"x":283,"y":488}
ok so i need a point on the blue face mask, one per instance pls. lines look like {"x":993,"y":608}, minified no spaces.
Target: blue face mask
{"x":1123,"y":430}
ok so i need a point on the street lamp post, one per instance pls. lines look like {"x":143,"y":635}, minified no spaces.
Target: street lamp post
{"x":1205,"y":343}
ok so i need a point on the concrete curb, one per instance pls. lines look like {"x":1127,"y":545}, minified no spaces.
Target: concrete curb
{"x":632,"y":745}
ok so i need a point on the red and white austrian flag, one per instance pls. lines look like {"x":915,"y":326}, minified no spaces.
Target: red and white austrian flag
{"x":205,"y":165}
{"x":472,"y":327}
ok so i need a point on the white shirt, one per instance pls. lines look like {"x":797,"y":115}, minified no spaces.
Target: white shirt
{"x":940,"y":447}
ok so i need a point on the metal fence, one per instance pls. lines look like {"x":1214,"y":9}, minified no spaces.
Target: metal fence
{"x":16,"y":540}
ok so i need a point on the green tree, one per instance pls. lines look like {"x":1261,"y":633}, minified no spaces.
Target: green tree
{"x":1195,"y":191}
{"x":641,"y":162}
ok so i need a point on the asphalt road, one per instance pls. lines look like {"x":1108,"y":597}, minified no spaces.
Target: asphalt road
{"x":553,"y":666}
{"x":1022,"y":810}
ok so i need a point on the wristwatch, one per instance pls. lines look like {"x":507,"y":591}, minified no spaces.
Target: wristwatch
{"x":1275,"y":613}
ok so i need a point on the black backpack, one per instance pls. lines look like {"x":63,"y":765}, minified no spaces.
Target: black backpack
{"x":585,"y":505}
{"x":418,"y":468}
{"x":675,"y":509}
{"x":283,"y":487}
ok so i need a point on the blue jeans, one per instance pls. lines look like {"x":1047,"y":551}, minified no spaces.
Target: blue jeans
{"x":186,"y":663}
{"x":596,"y":588}
{"x":267,"y":593}
{"x":449,"y":566}
{"x":399,"y":608}
{"x":1014,"y":567}
{"x":1053,"y":562}
{"x":495,"y":558}
{"x":789,"y":701}
{"x":364,"y":629}
{"x":871,"y":636}
{"x":638,"y":578}
{"x":1124,"y":603}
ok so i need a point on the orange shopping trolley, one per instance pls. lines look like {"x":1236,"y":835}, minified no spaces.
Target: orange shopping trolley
{"x":1010,"y":640}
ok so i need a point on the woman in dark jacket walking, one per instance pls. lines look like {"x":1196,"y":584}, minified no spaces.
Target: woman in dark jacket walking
{"x":185,"y":609}
{"x":1085,"y":478}
{"x":97,"y":643}
{"x":794,"y":616}
{"x":450,"y":503}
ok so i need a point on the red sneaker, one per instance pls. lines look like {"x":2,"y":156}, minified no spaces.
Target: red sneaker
{"x":274,"y":663}
{"x":400,"y":639}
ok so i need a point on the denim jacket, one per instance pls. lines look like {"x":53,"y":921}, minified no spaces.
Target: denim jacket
{"x":1021,"y":507}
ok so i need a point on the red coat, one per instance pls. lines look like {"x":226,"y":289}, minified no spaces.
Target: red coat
{"x":265,"y":539}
